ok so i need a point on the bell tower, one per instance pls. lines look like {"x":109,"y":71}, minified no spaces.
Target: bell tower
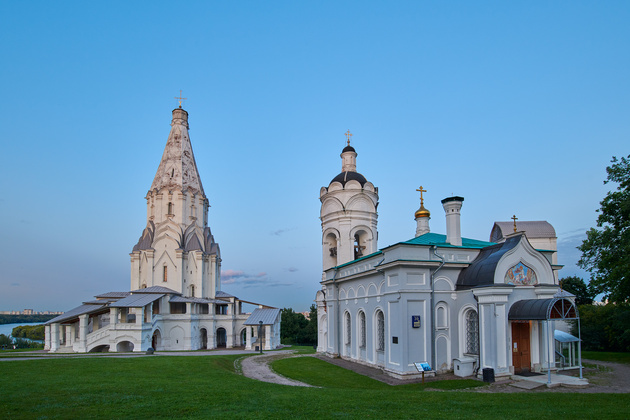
{"x":348,"y":213}
{"x":177,"y":249}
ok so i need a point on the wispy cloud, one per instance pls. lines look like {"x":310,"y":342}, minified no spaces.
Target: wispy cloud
{"x":292,"y":269}
{"x":281,"y":231}
{"x":573,"y":236}
{"x":234,"y":276}
{"x":247,"y":280}
{"x":15,"y":284}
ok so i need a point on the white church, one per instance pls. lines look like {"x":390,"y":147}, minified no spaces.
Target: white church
{"x":454,"y":303}
{"x":176,"y":301}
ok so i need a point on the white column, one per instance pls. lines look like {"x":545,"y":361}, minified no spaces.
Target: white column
{"x":83,"y":327}
{"x":47,"y":337}
{"x":139,"y":316}
{"x":267,"y":337}
{"x":54,"y":337}
{"x":70,"y":335}
{"x":248,"y":333}
{"x":113,"y":317}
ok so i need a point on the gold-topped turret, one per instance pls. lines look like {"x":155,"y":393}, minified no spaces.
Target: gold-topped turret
{"x":422,"y":212}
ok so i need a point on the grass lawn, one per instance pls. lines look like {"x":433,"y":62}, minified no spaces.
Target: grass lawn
{"x":606,"y":356}
{"x":208,"y":387}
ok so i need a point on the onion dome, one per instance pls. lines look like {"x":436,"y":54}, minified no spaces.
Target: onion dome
{"x":346,"y":176}
{"x":422,"y":212}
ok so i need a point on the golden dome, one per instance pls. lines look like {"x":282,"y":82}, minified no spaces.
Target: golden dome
{"x":422,"y":212}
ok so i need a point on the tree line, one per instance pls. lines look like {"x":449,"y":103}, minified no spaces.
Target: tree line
{"x":296,"y":329}
{"x":606,"y":256}
{"x":16,"y":319}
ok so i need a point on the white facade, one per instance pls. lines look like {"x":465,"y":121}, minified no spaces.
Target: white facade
{"x":348,"y":214}
{"x":176,"y":302}
{"x":440,"y":299}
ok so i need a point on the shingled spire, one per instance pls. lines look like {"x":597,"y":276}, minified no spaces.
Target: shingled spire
{"x":178,"y":169}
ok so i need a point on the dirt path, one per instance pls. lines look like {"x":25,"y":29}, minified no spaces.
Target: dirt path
{"x":257,"y":367}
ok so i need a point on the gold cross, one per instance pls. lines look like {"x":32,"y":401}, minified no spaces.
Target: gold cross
{"x":180,"y":99}
{"x":348,"y":135}
{"x":515,"y":219}
{"x":421,"y":191}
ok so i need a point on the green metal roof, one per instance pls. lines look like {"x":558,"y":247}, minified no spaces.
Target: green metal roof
{"x":437,"y":239}
{"x":359,"y":259}
{"x":428,"y":239}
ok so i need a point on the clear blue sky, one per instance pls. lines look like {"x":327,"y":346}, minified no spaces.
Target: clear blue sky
{"x":517,"y":106}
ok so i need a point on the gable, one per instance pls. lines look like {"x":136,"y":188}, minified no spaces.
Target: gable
{"x":513,"y":263}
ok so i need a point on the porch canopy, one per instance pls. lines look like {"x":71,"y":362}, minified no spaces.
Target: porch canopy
{"x":556,"y":308}
{"x":543,"y":309}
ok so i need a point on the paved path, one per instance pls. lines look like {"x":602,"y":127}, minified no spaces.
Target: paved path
{"x":257,"y":367}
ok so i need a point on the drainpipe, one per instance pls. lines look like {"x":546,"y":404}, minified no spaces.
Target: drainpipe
{"x":476,"y":371}
{"x":378,"y":264}
{"x":432,"y":305}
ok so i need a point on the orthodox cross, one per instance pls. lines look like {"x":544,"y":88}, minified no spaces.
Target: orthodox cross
{"x":421,"y":198}
{"x":180,"y":99}
{"x":348,"y":135}
{"x":515,"y":219}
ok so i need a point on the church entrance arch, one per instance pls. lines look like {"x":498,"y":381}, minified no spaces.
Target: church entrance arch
{"x":244,"y":337}
{"x":221,"y":337}
{"x":204,"y":338}
{"x":521,"y":359}
{"x":156,"y":340}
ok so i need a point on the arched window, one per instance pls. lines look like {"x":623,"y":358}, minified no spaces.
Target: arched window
{"x":380,"y":331}
{"x":472,"y":332}
{"x":348,"y":328}
{"x":441,"y":316}
{"x":170,"y":208}
{"x":358,"y":249}
{"x":330,"y":250}
{"x":165,"y":273}
{"x":192,"y":290}
{"x":362,"y":337}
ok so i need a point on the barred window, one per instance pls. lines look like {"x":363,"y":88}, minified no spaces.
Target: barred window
{"x":362,"y":329}
{"x":380,"y":331}
{"x":348,"y":328}
{"x":472,"y":332}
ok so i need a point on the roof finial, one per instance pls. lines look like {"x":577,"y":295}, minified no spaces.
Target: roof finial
{"x":515,"y":219}
{"x":421,"y":197}
{"x":180,"y":99}
{"x":348,"y":135}
{"x":422,"y":212}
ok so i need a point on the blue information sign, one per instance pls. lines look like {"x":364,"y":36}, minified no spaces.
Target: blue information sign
{"x":415,"y":321}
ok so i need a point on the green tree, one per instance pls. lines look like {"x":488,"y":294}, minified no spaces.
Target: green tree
{"x":604,"y":327}
{"x":310,"y":332}
{"x":583,"y":293}
{"x":32,"y":332}
{"x":292,"y":325}
{"x":606,"y":250}
{"x":5,"y":341}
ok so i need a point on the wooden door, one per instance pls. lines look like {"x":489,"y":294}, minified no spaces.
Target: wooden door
{"x":520,"y":347}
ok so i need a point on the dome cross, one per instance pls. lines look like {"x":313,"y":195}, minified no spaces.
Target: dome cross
{"x":180,"y":99}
